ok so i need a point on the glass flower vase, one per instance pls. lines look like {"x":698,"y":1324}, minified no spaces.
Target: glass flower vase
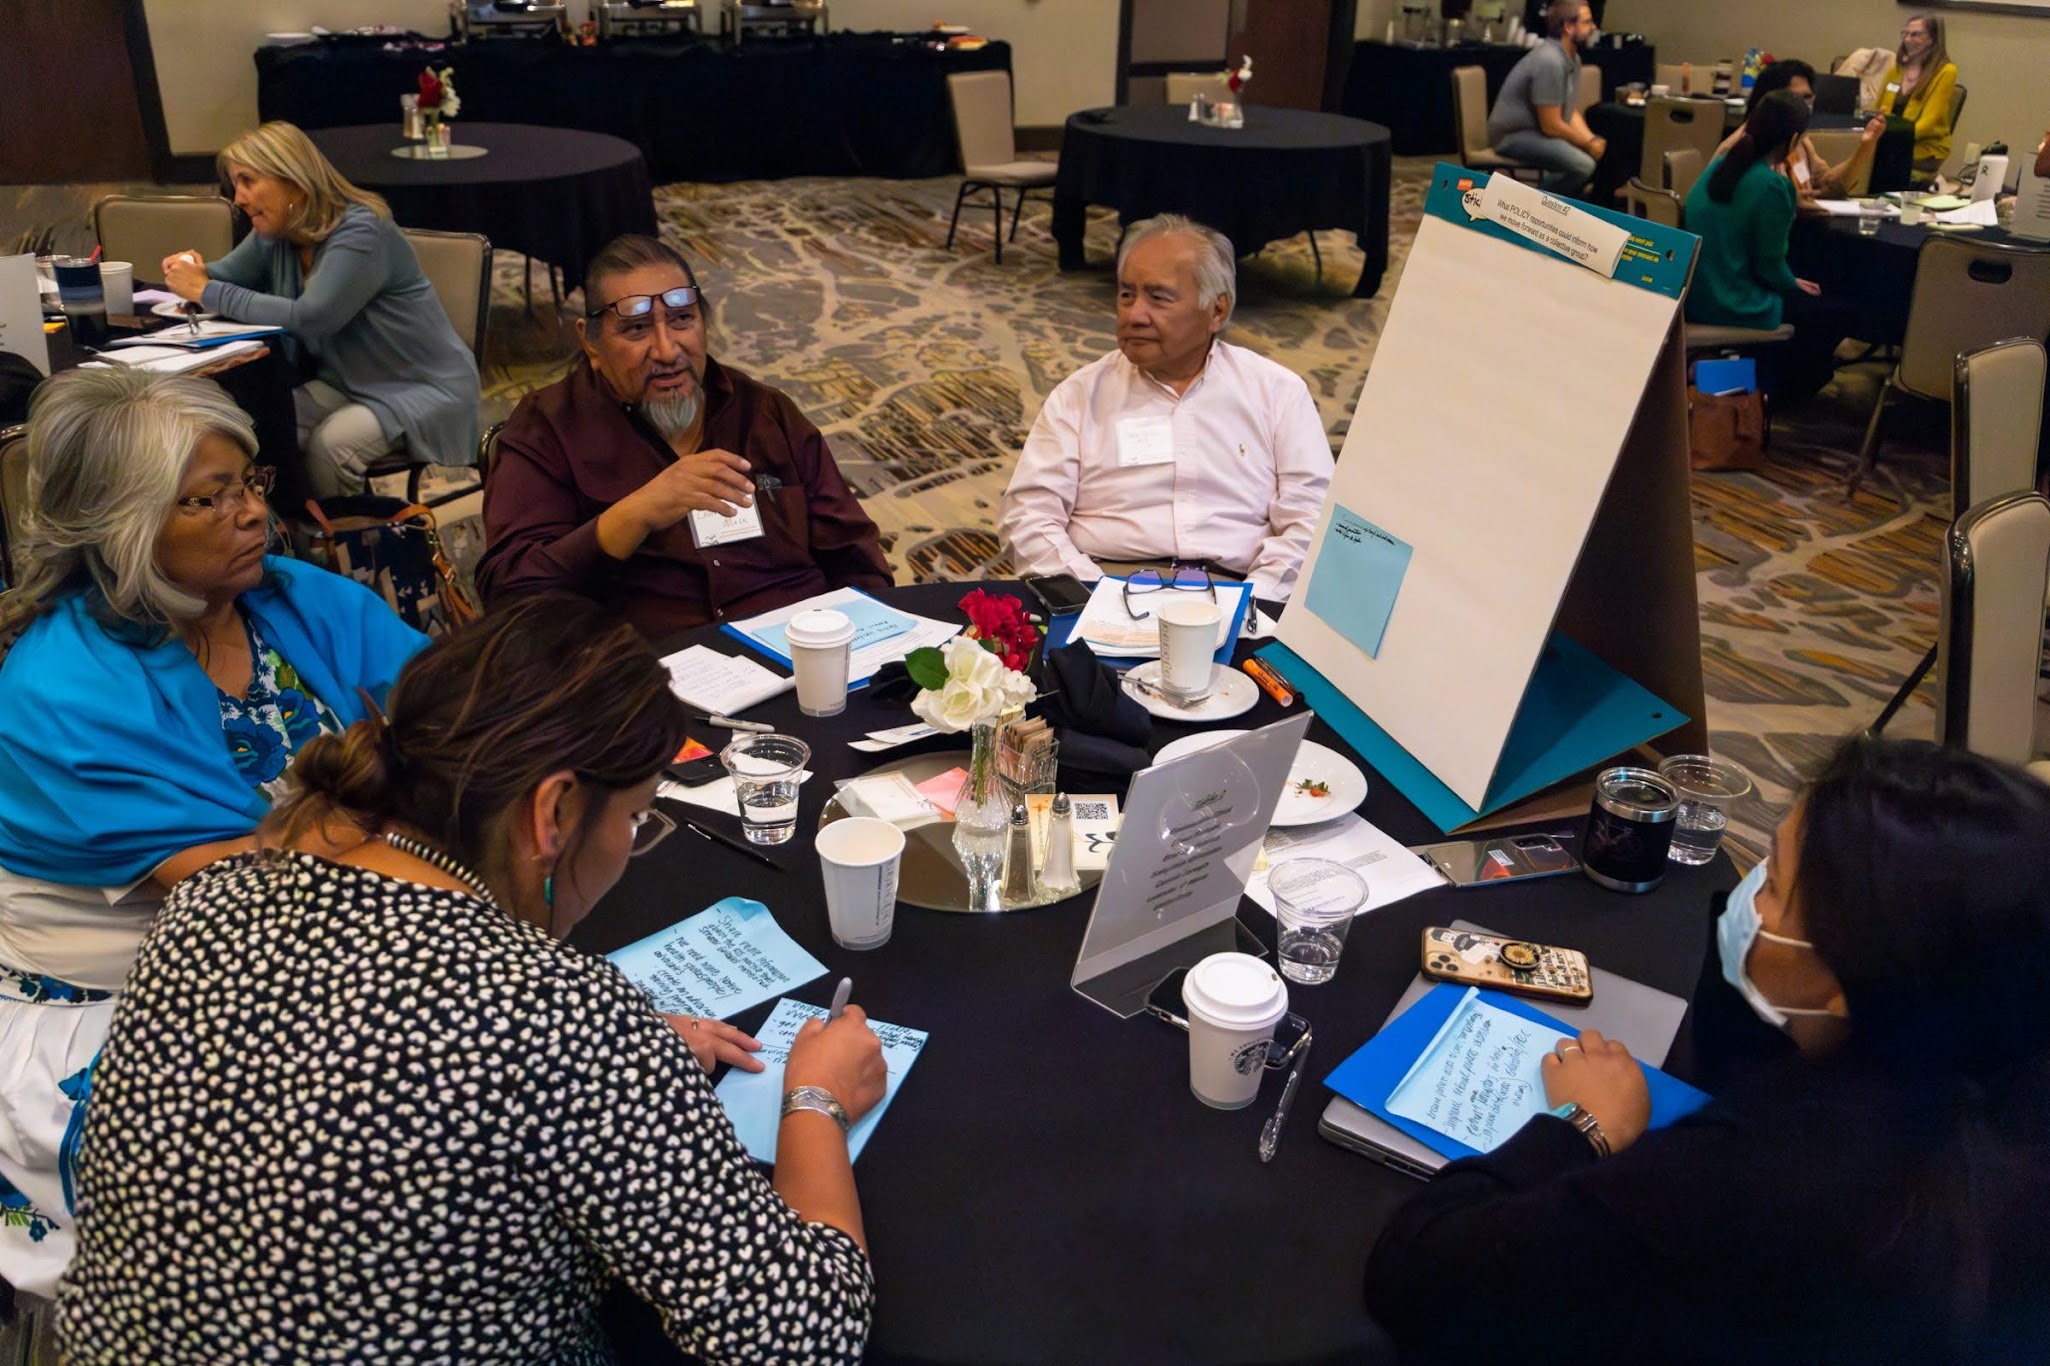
{"x":980,"y":821}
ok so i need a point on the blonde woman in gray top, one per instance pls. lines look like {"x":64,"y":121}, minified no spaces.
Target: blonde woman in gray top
{"x":324,"y":261}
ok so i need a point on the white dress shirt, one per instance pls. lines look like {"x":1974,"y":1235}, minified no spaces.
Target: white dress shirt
{"x":1242,"y":489}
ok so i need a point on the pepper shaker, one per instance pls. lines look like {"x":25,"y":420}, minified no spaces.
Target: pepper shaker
{"x":1018,"y":859}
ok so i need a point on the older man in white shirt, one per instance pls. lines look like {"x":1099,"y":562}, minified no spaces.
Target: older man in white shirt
{"x":1178,"y":446}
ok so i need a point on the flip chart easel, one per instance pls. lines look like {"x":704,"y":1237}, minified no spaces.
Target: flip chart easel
{"x":1506,"y":596}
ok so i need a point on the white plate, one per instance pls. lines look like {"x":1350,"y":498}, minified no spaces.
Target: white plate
{"x":1231,"y":694}
{"x":175,"y":308}
{"x":1312,"y":761}
{"x":287,"y":39}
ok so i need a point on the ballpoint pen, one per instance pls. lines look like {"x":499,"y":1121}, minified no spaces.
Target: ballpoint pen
{"x":733,"y":723}
{"x":1270,"y":1135}
{"x":731,"y":843}
{"x":841,"y":994}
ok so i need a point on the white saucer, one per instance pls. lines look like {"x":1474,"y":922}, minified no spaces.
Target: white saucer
{"x":1231,"y":694}
{"x":175,"y":308}
{"x":1313,"y":762}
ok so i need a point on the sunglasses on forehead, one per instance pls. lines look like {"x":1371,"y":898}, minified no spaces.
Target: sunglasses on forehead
{"x":641,"y":305}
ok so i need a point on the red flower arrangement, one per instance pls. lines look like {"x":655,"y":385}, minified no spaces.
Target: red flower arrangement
{"x":1002,"y":625}
{"x":430,"y":89}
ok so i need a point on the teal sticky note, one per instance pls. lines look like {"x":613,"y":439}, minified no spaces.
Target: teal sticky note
{"x":1359,"y":573}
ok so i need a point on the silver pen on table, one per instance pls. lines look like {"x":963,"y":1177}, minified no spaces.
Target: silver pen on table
{"x":840,"y":995}
{"x":1270,"y":1135}
{"x":725,"y":722}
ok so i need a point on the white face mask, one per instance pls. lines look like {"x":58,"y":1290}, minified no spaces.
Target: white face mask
{"x":1736,"y":931}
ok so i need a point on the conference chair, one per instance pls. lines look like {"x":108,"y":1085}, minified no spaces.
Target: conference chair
{"x":13,"y":499}
{"x":1967,"y":295}
{"x":458,"y":266}
{"x":1470,"y":122}
{"x":1668,"y":75}
{"x":144,"y":229}
{"x":1838,"y":145}
{"x":987,"y":138}
{"x":1990,"y":641}
{"x":1183,"y":86}
{"x":1680,"y":168}
{"x":1590,"y":86}
{"x":1665,"y":202}
{"x":1672,"y":125}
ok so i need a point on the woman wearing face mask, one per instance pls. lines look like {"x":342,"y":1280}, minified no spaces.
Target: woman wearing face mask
{"x":1875,"y":1195}
{"x":1918,"y":87}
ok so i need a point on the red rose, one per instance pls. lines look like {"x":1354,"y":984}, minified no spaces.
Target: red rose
{"x":430,"y":89}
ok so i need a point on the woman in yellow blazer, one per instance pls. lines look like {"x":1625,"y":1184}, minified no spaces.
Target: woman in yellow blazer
{"x":1918,"y":87}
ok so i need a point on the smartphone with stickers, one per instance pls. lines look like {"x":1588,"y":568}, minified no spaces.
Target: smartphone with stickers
{"x":1505,"y":858}
{"x":1517,"y":966}
{"x":695,"y":765}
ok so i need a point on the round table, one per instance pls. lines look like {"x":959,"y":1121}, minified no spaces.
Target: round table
{"x":1875,"y":274}
{"x":553,"y":194}
{"x":1623,"y":126}
{"x":1044,"y":1187}
{"x":1287,"y":171}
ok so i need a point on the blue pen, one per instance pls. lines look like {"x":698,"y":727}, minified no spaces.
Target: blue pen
{"x":840,"y":995}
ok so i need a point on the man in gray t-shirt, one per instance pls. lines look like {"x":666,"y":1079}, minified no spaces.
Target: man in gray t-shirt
{"x":1537,"y":118}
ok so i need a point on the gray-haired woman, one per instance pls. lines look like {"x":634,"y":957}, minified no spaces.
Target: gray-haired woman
{"x":167,"y":670}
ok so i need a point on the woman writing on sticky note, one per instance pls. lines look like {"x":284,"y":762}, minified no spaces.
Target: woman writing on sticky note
{"x":1874,"y":1194}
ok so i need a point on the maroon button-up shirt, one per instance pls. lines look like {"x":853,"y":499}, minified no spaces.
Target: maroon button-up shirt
{"x":572,"y":450}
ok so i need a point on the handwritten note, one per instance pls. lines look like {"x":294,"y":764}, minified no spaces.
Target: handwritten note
{"x":720,"y":683}
{"x":754,"y":1100}
{"x":719,"y":962}
{"x":1480,"y":1079}
{"x":1360,"y":571}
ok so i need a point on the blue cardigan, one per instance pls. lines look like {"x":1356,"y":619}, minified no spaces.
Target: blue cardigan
{"x":111,"y":754}
{"x":373,"y":322}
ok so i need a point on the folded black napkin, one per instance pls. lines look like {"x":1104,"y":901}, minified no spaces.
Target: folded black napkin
{"x":1102,"y":730}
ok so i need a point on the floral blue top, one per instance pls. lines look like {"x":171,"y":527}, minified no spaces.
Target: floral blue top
{"x":274,"y":722}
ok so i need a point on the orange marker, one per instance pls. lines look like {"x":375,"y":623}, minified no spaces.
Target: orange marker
{"x":1269,"y":681}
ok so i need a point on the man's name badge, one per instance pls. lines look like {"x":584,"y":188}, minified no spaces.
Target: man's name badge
{"x":709,"y":528}
{"x":1145,"y":441}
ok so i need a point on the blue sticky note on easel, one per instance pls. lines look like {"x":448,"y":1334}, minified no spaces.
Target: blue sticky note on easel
{"x":1359,"y":573}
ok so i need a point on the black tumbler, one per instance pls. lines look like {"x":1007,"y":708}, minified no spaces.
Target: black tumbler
{"x":1629,"y":829}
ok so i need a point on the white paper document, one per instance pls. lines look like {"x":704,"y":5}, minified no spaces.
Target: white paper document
{"x":1984,"y":212}
{"x":1853,"y":208}
{"x":1115,"y":633}
{"x":881,"y":634}
{"x":177,"y":359}
{"x":713,"y":796}
{"x":1391,"y":871}
{"x":754,"y":1100}
{"x":211,"y":335}
{"x":723,"y":685}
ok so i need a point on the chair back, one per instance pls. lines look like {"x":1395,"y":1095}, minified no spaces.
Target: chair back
{"x":487,"y":452}
{"x":1957,"y":106}
{"x":1649,"y":201}
{"x":1590,"y":86}
{"x":1838,"y":145}
{"x":982,"y":118}
{"x":1668,"y":75}
{"x":1470,"y":111}
{"x":1996,"y":418}
{"x":1990,"y":646}
{"x":144,"y":229}
{"x":1681,"y":167}
{"x":1671,"y":124}
{"x":458,"y":265}
{"x":1969,"y":295}
{"x":1183,"y":86}
{"x":13,"y":499}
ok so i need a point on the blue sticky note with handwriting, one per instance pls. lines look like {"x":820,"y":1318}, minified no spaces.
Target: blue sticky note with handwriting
{"x":1359,"y":573}
{"x":722,"y":960}
{"x":754,"y":1100}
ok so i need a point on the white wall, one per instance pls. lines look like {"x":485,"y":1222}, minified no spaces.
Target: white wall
{"x":2001,"y":58}
{"x":1063,"y":52}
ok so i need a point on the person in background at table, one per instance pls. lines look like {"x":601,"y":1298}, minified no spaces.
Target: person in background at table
{"x":654,"y":479}
{"x":1875,"y":1196}
{"x":165,"y":671}
{"x":377,"y":1101}
{"x":1743,"y":210}
{"x":324,"y":261}
{"x":1918,"y":87}
{"x":1178,"y":445}
{"x":1813,"y":177}
{"x":1537,"y":116}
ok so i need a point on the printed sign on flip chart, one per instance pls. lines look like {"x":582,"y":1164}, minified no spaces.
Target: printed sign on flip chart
{"x":1553,"y":223}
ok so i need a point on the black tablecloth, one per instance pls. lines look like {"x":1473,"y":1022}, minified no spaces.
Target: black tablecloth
{"x":845,"y":104}
{"x":1875,"y":274}
{"x":1287,"y":171}
{"x":1409,"y":89}
{"x":1623,"y":126}
{"x":1044,"y":1187}
{"x":555,"y":194}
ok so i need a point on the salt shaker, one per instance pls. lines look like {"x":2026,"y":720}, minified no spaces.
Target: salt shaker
{"x":1058,"y":879}
{"x":1018,"y":859}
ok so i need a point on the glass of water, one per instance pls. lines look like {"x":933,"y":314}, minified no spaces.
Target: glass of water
{"x":1314,"y":903}
{"x":1706,"y":788}
{"x":767,"y":770}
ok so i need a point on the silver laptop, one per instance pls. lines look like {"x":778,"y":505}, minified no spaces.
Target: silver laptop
{"x":1644,"y":1018}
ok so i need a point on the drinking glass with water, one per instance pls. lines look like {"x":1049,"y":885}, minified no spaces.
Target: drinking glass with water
{"x":767,"y":770}
{"x":1706,"y":788}
{"x":1315,"y":901}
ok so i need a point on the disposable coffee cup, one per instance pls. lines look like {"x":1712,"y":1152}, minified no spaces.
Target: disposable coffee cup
{"x":1911,"y":212}
{"x":820,"y":646}
{"x":1233,"y":1001}
{"x":117,"y":284}
{"x":1188,"y":640}
{"x":860,"y":859}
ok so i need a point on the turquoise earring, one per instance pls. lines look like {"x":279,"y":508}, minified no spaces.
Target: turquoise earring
{"x":548,"y":890}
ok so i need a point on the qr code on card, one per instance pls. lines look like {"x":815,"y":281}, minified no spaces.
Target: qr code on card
{"x":1092,"y":811}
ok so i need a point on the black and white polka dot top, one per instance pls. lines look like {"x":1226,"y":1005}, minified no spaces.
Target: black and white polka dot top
{"x":347,"y":1118}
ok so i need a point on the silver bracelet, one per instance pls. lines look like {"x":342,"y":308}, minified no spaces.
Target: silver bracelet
{"x":815,"y":1098}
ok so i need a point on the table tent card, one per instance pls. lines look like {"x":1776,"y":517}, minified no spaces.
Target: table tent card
{"x":1191,"y":834}
{"x":1499,"y":591}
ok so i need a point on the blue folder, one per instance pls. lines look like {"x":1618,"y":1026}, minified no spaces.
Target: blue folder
{"x":1370,"y":1076}
{"x":1576,"y":713}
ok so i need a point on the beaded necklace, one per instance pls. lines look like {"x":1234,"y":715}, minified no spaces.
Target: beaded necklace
{"x":428,"y":854}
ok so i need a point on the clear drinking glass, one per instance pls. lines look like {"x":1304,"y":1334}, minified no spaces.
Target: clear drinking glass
{"x":767,"y":770}
{"x":1868,"y":225}
{"x":1706,"y":788}
{"x":1315,"y":901}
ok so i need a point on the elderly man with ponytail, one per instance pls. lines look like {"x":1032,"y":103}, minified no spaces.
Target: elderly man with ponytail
{"x":376,"y":1104}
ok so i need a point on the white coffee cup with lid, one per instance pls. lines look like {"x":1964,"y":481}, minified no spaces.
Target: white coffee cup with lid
{"x":1234,"y":1001}
{"x":820,"y":648}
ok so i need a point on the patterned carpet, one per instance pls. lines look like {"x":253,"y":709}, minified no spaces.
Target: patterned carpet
{"x":925,"y":368}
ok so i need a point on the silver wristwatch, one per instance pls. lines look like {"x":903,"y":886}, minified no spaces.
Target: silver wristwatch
{"x":815,"y":1098}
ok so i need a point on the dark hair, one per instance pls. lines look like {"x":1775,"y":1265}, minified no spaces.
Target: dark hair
{"x":1561,"y":13}
{"x":478,"y":719}
{"x":1773,"y":122}
{"x":1779,"y":76}
{"x":627,"y":253}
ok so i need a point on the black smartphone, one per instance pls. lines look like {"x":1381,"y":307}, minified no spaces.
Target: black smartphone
{"x":695,"y":765}
{"x":1059,"y":594}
